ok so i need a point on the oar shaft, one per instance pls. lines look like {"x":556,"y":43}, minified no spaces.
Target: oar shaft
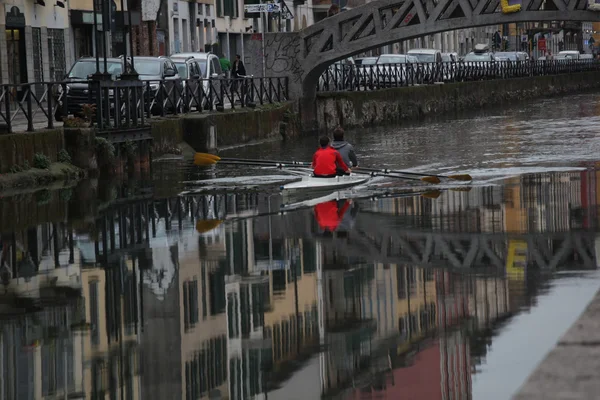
{"x":301,"y":163}
{"x":459,"y":177}
{"x":259,"y":164}
{"x":392,"y":171}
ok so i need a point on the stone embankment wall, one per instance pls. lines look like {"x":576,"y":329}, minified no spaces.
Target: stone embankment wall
{"x":20,"y":148}
{"x":87,"y":152}
{"x":231,"y":127}
{"x":388,"y":106}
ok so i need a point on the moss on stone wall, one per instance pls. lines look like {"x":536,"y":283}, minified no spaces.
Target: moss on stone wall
{"x":25,"y":210}
{"x":167,"y":133}
{"x":39,"y":177}
{"x":370,"y":108}
{"x":18,"y":148}
{"x":240,"y":125}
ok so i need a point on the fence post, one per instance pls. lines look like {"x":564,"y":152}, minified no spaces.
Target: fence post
{"x":6,"y":89}
{"x":49,"y":95}
{"x":29,"y":109}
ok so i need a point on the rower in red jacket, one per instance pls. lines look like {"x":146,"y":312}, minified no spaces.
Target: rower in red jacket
{"x":326,"y":160}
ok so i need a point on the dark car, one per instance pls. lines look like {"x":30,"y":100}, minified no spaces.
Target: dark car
{"x":163,"y":84}
{"x":77,"y":87}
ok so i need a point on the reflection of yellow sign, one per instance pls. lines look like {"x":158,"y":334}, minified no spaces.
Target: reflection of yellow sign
{"x":507,"y":9}
{"x":516,"y":259}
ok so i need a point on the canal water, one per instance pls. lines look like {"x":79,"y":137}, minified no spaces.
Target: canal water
{"x":175,"y":285}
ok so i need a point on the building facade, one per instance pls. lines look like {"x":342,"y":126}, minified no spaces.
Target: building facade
{"x":33,"y":46}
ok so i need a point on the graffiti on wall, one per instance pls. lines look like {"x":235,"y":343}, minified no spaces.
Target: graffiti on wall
{"x":282,"y":51}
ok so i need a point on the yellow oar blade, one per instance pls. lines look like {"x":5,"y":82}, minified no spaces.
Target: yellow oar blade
{"x":203,"y":161}
{"x":461,"y":177}
{"x":434,"y":194}
{"x":207,"y":225}
{"x":431,"y":179}
{"x":208,"y":155}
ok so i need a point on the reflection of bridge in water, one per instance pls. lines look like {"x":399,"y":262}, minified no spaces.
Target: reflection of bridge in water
{"x":404,"y":236}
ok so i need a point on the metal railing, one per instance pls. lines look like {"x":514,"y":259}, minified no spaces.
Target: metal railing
{"x":379,"y":76}
{"x":123,"y":104}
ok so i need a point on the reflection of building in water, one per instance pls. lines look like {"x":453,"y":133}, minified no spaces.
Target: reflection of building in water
{"x":271,"y":305}
{"x":203,"y":321}
{"x":542,"y":202}
{"x":454,"y":211}
{"x":41,"y":356}
{"x":36,"y":260}
{"x":409,"y":361}
{"x":368,"y":310}
{"x":111,"y":355}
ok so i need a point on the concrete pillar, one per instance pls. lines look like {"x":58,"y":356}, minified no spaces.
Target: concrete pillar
{"x":29,"y":53}
{"x":45,"y":55}
{"x":3,"y":58}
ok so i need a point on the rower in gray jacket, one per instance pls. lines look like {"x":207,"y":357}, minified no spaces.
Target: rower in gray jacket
{"x":345,"y":149}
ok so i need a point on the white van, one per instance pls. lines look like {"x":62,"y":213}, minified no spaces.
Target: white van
{"x":568,"y":55}
{"x":432,"y":71}
{"x":426,"y":55}
{"x":211,"y":73}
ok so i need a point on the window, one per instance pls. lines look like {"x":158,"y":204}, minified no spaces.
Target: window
{"x":216,"y":65}
{"x":230,"y":8}
{"x":401,"y":279}
{"x":94,"y":313}
{"x":201,"y":9}
{"x":147,"y":67}
{"x":208,"y":10}
{"x":190,"y":303}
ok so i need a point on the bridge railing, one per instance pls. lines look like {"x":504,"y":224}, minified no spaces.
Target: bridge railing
{"x":122,"y":104}
{"x":371,"y":77}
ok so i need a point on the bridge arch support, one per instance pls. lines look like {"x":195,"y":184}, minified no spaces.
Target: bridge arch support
{"x":303,"y":56}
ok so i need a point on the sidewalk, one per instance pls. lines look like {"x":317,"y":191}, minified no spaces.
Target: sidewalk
{"x":572,"y":369}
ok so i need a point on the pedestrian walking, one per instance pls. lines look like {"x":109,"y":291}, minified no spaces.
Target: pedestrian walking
{"x":237,"y":72}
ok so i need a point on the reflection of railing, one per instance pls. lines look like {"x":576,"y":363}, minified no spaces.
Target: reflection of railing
{"x":123,"y":104}
{"x":373,"y":77}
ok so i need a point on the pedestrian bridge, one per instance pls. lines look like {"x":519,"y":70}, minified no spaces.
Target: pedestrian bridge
{"x":306,"y":54}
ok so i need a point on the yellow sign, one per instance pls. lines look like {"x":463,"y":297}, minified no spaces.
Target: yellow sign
{"x":516,"y":259}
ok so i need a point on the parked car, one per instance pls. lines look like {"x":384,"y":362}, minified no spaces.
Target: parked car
{"x":339,"y":76}
{"x":164,"y":88}
{"x":191,"y":73}
{"x":478,"y":64}
{"x":211,"y":74}
{"x":77,"y":87}
{"x":450,"y":66}
{"x":366,"y":71}
{"x":396,"y":69}
{"x":431,"y":60}
{"x":513,"y":63}
{"x":568,"y":55}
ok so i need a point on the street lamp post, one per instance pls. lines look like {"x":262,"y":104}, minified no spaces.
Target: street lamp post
{"x":104,"y":9}
{"x":129,"y":73}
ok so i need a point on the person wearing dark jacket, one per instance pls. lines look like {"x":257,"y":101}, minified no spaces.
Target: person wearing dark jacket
{"x":238,"y":69}
{"x":344,"y":148}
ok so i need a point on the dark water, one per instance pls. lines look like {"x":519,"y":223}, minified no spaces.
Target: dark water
{"x":132,"y":290}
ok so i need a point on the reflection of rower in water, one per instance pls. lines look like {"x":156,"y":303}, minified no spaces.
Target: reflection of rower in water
{"x":326,"y":160}
{"x":334,"y":216}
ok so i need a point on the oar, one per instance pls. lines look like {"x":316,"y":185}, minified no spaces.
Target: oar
{"x":458,"y":177}
{"x":209,"y":159}
{"x":429,"y":179}
{"x":260,"y":164}
{"x":205,"y":159}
